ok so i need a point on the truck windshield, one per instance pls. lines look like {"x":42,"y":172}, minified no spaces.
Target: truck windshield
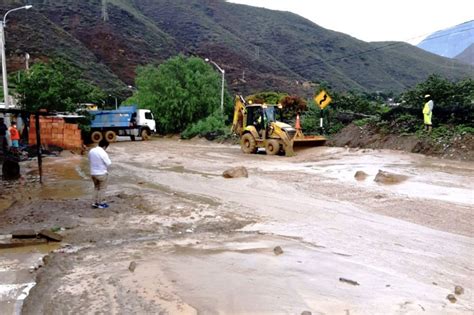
{"x":148,"y":115}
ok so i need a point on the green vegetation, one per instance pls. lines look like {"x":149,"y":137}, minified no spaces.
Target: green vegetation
{"x":180,"y":92}
{"x":210,"y":127}
{"x":454,"y":101}
{"x":453,"y":112}
{"x":55,"y":86}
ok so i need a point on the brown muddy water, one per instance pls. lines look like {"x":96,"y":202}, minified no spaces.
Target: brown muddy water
{"x":63,"y":178}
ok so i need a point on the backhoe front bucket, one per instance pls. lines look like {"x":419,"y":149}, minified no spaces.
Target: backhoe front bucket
{"x":289,"y":149}
{"x":308,"y":141}
{"x":301,"y":141}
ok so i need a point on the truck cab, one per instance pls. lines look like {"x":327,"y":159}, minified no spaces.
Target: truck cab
{"x":146,"y":120}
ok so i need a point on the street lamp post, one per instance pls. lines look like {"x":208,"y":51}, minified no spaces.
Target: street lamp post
{"x":116,"y":102}
{"x":3,"y":24}
{"x":222,"y":71}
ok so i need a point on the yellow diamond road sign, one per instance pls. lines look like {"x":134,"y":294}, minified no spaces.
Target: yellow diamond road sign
{"x":322,"y":99}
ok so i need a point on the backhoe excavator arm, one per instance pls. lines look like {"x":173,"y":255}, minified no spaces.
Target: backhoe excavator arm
{"x":239,"y":114}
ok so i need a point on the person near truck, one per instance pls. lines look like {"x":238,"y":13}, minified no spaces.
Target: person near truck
{"x":14,"y":135}
{"x":428,"y":112}
{"x":99,"y":163}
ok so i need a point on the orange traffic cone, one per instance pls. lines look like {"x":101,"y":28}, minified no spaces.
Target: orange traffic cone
{"x":299,"y":133}
{"x":297,"y":124}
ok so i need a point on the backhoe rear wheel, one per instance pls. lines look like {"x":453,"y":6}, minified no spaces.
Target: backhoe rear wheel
{"x":272,"y":147}
{"x":248,"y":144}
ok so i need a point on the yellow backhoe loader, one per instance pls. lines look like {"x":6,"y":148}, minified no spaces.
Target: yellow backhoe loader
{"x":257,"y":126}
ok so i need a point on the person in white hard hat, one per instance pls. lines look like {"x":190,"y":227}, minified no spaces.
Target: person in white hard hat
{"x":428,"y":112}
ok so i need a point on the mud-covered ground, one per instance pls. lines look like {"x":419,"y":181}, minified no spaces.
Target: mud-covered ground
{"x":454,"y":147}
{"x":181,"y":239}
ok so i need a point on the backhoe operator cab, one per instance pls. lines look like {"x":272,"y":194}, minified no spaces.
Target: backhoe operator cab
{"x":258,"y":127}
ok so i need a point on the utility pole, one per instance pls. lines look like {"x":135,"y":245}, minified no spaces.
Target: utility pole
{"x":27,"y":62}
{"x":105,"y":13}
{"x":3,"y":24}
{"x":222,"y":71}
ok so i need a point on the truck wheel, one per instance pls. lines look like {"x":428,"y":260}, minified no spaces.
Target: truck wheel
{"x":96,"y":136}
{"x":272,"y":147}
{"x":248,"y":144}
{"x":145,"y":135}
{"x":111,"y":136}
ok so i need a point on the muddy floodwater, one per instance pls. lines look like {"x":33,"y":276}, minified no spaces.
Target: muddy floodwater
{"x":298,"y":234}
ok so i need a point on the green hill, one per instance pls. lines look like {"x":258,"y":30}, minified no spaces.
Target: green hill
{"x":260,"y":49}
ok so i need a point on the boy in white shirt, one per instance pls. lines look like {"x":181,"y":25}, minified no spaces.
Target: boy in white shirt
{"x":99,"y":163}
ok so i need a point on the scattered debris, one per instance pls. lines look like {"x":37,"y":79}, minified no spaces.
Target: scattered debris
{"x":13,"y":243}
{"x":451,"y":298}
{"x":132,"y":266}
{"x":236,"y":172}
{"x":421,"y":307}
{"x":278,"y":251}
{"x":22,"y":234}
{"x":384,"y":177}
{"x":458,"y":290}
{"x":361,"y":175}
{"x":435,"y":283}
{"x":28,"y":237}
{"x":349,"y":281}
{"x":50,"y":235}
{"x":306,"y":313}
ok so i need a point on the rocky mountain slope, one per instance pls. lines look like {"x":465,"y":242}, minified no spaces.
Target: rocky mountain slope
{"x":467,"y":56}
{"x":260,"y":49}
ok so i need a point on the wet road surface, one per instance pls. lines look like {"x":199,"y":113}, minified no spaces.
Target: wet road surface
{"x":205,"y":244}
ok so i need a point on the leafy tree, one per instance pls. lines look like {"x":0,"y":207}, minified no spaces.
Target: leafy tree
{"x":180,"y":92}
{"x":266,"y":97}
{"x":354,"y":102}
{"x":292,"y":105}
{"x":55,"y":86}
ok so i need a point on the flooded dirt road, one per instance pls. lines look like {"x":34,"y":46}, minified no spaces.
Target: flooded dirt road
{"x":181,"y":239}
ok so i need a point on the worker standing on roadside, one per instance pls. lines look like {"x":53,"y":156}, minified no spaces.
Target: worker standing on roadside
{"x":428,"y":112}
{"x":99,"y":164}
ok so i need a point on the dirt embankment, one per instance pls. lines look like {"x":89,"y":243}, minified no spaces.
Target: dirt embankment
{"x":460,"y":147}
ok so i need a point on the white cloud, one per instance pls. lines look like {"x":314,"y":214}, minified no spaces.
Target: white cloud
{"x":370,"y":20}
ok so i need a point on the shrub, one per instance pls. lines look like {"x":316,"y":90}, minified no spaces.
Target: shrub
{"x":210,"y":127}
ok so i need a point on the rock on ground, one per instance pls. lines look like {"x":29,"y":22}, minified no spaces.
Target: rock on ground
{"x":236,"y":172}
{"x":384,"y":177}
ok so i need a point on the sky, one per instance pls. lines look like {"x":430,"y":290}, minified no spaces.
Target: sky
{"x":371,"y":20}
